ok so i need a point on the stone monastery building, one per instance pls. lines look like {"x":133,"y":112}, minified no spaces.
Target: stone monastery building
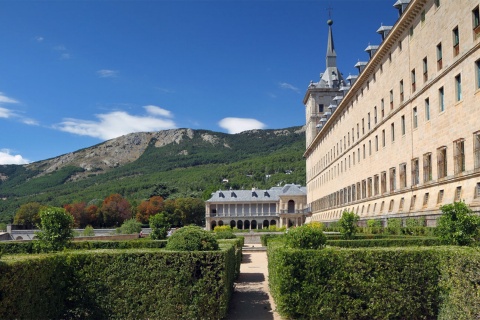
{"x":257,"y":209}
{"x":403,"y":137}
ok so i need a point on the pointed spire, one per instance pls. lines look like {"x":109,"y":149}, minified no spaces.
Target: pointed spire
{"x":331,"y":55}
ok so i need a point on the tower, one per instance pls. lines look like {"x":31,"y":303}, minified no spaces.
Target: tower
{"x":322,"y":97}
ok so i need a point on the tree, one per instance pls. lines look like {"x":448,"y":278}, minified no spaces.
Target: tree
{"x":28,"y":214}
{"x":190,"y":210}
{"x":148,"y":208}
{"x":348,"y":224}
{"x":130,"y":226}
{"x":160,"y":225}
{"x":458,"y":225}
{"x":114,"y":210}
{"x":56,"y":228}
{"x":80,"y":214}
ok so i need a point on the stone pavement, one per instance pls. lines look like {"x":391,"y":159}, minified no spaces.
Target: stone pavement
{"x":251,"y":299}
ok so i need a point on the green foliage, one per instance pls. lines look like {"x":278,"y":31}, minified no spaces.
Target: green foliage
{"x":3,"y":226}
{"x":192,"y":238}
{"x":119,"y":284}
{"x":130,"y":226}
{"x":265,"y":238}
{"x":458,"y":225}
{"x":88,"y":231}
{"x":224,"y":232}
{"x":386,"y":242}
{"x":28,"y":215}
{"x":394,"y":226}
{"x":348,"y":224}
{"x":305,"y":237}
{"x":160,"y":225}
{"x":379,"y":283}
{"x":55,"y":229}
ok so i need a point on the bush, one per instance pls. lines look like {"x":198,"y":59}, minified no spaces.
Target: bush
{"x":192,"y":238}
{"x":458,"y":225}
{"x":56,"y":227}
{"x":305,"y":237}
{"x":88,"y":231}
{"x":348,"y":224}
{"x":394,"y":226}
{"x":160,"y":225}
{"x":130,"y":226}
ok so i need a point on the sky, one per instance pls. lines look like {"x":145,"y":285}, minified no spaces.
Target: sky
{"x":75,"y":73}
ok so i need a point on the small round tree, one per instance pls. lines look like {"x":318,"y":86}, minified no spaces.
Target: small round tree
{"x":305,"y":237}
{"x":192,"y":238}
{"x":348,"y":224}
{"x":56,"y":227}
{"x":458,"y":225}
{"x":160,"y":225}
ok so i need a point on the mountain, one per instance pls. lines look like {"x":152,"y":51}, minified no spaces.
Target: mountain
{"x":171,"y":163}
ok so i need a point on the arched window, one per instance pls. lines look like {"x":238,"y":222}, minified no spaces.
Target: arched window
{"x":291,"y":206}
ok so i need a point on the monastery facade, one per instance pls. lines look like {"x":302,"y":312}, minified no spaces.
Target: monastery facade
{"x":403,"y":137}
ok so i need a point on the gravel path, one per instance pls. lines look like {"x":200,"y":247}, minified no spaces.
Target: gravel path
{"x":251,"y":299}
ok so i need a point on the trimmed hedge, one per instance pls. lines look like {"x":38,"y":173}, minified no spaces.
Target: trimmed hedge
{"x":27,"y":247}
{"x":386,"y":242}
{"x":118,"y":284}
{"x":379,"y":283}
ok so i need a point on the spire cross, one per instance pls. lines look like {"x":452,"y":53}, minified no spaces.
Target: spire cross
{"x":330,"y":9}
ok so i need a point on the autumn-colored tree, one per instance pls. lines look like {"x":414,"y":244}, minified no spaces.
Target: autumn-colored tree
{"x":28,"y":214}
{"x":92,"y":214}
{"x":77,"y":210}
{"x":148,"y":208}
{"x":114,"y":210}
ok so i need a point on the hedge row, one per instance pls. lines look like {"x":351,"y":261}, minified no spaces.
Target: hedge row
{"x":118,"y":284}
{"x":386,"y":242}
{"x":28,"y":247}
{"x":380,"y":283}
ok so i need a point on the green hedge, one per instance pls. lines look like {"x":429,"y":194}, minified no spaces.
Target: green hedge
{"x":28,"y":247}
{"x":375,"y":283}
{"x":386,"y":242}
{"x":118,"y":284}
{"x":238,"y":245}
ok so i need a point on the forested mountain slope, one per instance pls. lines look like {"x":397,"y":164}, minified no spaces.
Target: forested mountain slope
{"x":170,"y":163}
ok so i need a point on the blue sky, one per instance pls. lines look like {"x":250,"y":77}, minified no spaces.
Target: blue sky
{"x":76,"y":73}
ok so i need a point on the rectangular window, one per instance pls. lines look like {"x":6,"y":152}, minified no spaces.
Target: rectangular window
{"x":363,"y":126}
{"x":358,"y":131}
{"x":369,"y":187}
{"x":456,"y":42}
{"x":390,"y":207}
{"x":393,"y":183}
{"x":440,"y":196}
{"x":403,"y":124}
{"x":369,"y":147}
{"x":427,"y":109}
{"x":384,"y":182}
{"x":442,"y":162}
{"x":320,"y":108}
{"x":427,"y":167}
{"x":458,"y":87}
{"x":401,"y":91}
{"x":415,"y":117}
{"x":393,"y":131}
{"x":476,"y":149}
{"x":368,"y":121}
{"x":376,"y":180}
{"x":439,"y":56}
{"x":382,"y":108}
{"x":364,"y":189}
{"x":441,"y":99}
{"x":425,"y":69}
{"x":458,"y":194}
{"x":403,"y":175}
{"x":391,"y":99}
{"x":414,"y":87}
{"x":459,"y":156}
{"x":402,"y":202}
{"x":364,"y":153}
{"x":477,"y":74}
{"x":376,"y":143}
{"x":412,"y":202}
{"x":476,"y":21}
{"x":375,"y":115}
{"x":477,"y":190}
{"x":358,"y":155}
{"x":415,"y":172}
{"x":425,"y":200}
{"x":383,"y":138}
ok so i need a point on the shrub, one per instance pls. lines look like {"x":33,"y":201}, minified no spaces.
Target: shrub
{"x":130,"y":226}
{"x":160,"y":225}
{"x":192,"y":238}
{"x":305,"y":237}
{"x":394,"y":225}
{"x":374,"y":226}
{"x":226,"y":234}
{"x":348,"y":224}
{"x":458,"y":225}
{"x":3,"y":226}
{"x":56,"y":229}
{"x":88,"y":231}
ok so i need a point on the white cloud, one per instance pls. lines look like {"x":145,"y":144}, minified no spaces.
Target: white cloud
{"x":288,"y":86}
{"x":5,"y":113}
{"x":5,"y":99}
{"x":157,"y":111}
{"x":236,"y":125}
{"x":30,"y":122}
{"x":118,"y":123}
{"x":7,"y":158}
{"x":39,"y":38}
{"x":105,"y":73}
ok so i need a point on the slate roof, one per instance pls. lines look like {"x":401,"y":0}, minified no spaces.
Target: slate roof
{"x":256,"y":195}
